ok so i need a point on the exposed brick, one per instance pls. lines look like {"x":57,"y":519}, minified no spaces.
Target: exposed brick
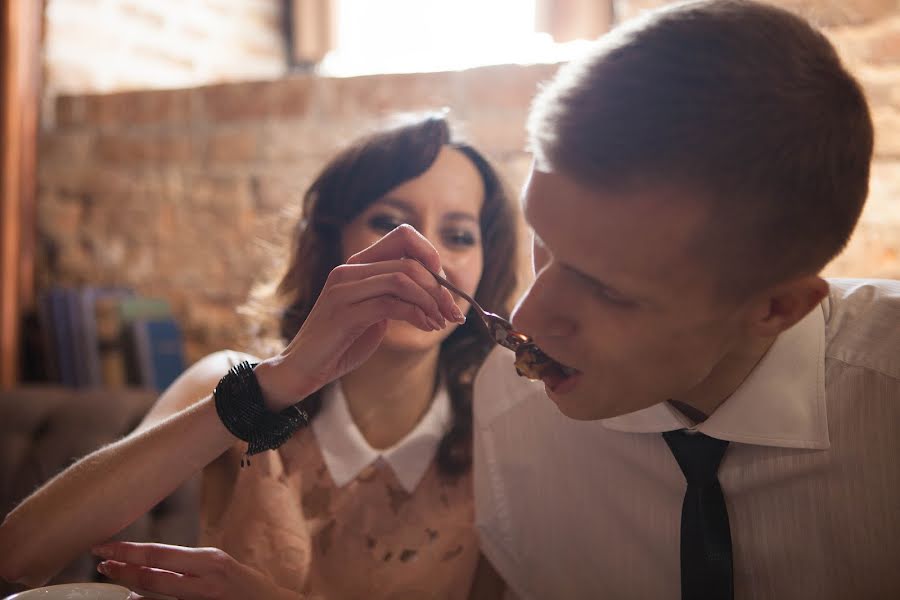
{"x":138,"y":108}
{"x":220,"y":194}
{"x":505,"y":87}
{"x":73,"y":147}
{"x":70,"y":111}
{"x":233,"y":145}
{"x":873,"y":251}
{"x":882,"y":45}
{"x":288,"y":97}
{"x":825,"y":13}
{"x":145,"y":147}
{"x":59,"y":218}
{"x":299,"y":140}
{"x":627,"y":9}
{"x":277,"y":193}
{"x":498,"y":135}
{"x":382,"y":94}
{"x":887,"y":131}
{"x":883,"y":204}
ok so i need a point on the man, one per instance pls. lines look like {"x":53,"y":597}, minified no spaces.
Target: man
{"x":733,"y":426}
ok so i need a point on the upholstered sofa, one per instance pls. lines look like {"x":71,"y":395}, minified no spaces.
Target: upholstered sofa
{"x":45,"y":429}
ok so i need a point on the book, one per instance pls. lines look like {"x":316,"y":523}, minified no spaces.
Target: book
{"x":102,"y":350}
{"x":76,"y":317}
{"x":159,"y":350}
{"x":60,"y":315}
{"x":142,"y":307}
{"x":134,"y":312}
{"x":111,"y":358}
{"x":49,"y":356}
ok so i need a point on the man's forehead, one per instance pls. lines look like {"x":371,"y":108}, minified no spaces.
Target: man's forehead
{"x":643,"y":230}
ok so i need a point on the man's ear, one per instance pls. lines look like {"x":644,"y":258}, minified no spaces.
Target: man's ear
{"x":780,"y":307}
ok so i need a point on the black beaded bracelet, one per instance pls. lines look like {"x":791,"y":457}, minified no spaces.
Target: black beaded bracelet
{"x":241,"y":408}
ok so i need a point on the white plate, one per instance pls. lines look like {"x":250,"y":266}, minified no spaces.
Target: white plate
{"x":75,"y":591}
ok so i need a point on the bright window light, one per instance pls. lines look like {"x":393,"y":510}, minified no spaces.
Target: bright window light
{"x":405,"y":36}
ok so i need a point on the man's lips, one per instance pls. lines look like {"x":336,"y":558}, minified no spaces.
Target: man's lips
{"x":563,"y":385}
{"x":534,"y":363}
{"x":555,"y":378}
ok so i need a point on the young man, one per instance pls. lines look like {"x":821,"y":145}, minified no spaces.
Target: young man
{"x":733,"y":429}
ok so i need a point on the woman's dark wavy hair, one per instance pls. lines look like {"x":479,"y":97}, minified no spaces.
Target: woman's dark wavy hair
{"x":353,"y":180}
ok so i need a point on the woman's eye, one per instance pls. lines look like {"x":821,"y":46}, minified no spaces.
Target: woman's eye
{"x":460,"y":238}
{"x":385,"y":223}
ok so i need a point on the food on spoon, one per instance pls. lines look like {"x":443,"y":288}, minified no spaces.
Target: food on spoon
{"x":531,"y":362}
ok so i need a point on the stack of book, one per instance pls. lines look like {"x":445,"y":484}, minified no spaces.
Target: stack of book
{"x":111,"y":337}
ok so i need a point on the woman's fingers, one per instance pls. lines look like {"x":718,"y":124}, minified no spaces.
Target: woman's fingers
{"x":171,"y":570}
{"x":402,"y":242}
{"x":416,"y":273}
{"x":394,"y":284}
{"x":156,"y":581}
{"x":372,"y":310}
{"x":182,"y":559}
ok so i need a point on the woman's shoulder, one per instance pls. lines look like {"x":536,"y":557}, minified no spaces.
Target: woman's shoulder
{"x":196,"y":383}
{"x":219,"y":362}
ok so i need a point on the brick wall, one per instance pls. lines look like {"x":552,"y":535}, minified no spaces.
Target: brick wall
{"x":182,"y":193}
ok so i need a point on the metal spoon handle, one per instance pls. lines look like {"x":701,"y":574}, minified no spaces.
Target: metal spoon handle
{"x":500,"y":330}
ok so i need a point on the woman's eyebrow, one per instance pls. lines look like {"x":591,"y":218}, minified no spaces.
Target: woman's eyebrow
{"x":461,"y":216}
{"x":396,"y":203}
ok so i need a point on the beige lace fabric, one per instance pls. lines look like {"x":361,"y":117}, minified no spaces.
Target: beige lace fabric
{"x":367,"y":539}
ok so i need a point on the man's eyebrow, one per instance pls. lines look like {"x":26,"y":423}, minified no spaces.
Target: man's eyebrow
{"x":594,"y":281}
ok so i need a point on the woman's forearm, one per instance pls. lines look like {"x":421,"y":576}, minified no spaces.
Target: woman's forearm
{"x":106,"y":491}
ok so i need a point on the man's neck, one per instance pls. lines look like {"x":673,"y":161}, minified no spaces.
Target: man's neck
{"x":389,"y":393}
{"x":722,"y":381}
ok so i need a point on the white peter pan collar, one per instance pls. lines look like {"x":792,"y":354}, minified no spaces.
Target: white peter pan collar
{"x":347,"y":453}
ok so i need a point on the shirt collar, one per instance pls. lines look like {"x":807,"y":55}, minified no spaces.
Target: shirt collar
{"x":781,"y":403}
{"x":346,"y":452}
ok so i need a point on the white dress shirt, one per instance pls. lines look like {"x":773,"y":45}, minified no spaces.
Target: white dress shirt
{"x":347,"y":453}
{"x":574,"y":509}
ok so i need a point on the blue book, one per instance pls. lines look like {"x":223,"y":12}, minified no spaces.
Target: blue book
{"x":62,"y":334}
{"x":50,"y":356}
{"x":160,"y":351}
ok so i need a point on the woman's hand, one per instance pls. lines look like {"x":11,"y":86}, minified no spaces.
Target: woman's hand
{"x":185,"y":573}
{"x":349,"y":319}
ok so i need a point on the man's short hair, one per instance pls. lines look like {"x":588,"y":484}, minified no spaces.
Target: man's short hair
{"x":744,"y":104}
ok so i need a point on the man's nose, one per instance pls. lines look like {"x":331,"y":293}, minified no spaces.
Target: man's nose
{"x":539,"y":316}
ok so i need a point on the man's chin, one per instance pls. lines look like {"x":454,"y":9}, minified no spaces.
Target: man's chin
{"x":583,"y":405}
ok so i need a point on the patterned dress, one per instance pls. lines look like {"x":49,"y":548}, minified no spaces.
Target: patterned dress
{"x":375,"y":535}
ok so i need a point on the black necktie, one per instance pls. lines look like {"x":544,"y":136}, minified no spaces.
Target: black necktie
{"x":705,"y":535}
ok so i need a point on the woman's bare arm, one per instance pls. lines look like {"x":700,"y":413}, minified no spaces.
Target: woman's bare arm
{"x":107,"y":490}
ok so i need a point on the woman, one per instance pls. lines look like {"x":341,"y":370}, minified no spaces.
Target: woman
{"x":374,"y":498}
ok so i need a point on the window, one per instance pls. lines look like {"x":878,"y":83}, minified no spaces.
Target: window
{"x":394,"y":36}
